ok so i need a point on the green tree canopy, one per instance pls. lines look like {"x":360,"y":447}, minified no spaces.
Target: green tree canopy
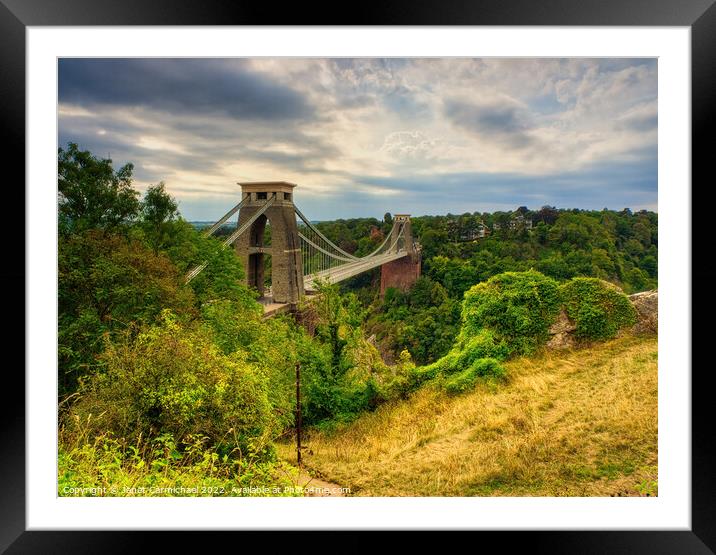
{"x":91,"y":193}
{"x":108,"y":282}
{"x":158,"y":209}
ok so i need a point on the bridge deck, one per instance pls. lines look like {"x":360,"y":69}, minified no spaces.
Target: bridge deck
{"x":345,"y":271}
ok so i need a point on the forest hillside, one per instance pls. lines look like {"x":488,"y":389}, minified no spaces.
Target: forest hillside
{"x":174,"y":388}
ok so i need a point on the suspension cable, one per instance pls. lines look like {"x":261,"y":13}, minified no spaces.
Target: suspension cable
{"x":326,"y":239}
{"x":323,"y":272}
{"x":233,"y":237}
{"x":230,"y":213}
{"x":236,"y":234}
{"x":383,"y":243}
{"x":333,"y":256}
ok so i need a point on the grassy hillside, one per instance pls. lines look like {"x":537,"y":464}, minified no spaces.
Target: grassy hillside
{"x":577,"y":423}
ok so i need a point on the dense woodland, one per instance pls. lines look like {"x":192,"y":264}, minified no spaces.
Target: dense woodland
{"x":619,"y":247}
{"x":166,"y":384}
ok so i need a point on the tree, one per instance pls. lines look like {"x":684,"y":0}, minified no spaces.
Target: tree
{"x":456,"y":275}
{"x":388,"y":218}
{"x":642,"y":232}
{"x":91,"y":193}
{"x":541,"y":233}
{"x":547,"y":214}
{"x":433,"y":242}
{"x":158,"y":209}
{"x":650,"y":265}
{"x":107,"y":282}
{"x":329,"y":307}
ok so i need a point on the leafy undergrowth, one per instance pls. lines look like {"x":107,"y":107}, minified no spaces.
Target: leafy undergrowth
{"x":106,"y":467}
{"x":574,"y":423}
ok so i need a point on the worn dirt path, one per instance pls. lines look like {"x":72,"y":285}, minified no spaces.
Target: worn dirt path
{"x":315,"y":487}
{"x":308,"y":477}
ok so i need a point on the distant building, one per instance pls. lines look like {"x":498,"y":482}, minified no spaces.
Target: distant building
{"x":517,"y":222}
{"x":473,"y":233}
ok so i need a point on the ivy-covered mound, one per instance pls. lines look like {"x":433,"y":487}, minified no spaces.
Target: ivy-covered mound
{"x":508,"y":314}
{"x":511,"y":314}
{"x":598,"y":308}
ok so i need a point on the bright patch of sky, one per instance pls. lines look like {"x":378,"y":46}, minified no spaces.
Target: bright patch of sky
{"x":362,"y":137}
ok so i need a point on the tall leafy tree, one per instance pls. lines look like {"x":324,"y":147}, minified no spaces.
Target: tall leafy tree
{"x":91,"y":193}
{"x":108,"y":282}
{"x":158,"y":209}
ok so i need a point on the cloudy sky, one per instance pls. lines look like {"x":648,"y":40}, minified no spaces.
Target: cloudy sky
{"x":362,"y":137}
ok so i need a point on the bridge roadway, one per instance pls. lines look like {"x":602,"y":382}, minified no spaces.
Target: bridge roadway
{"x":333,"y":275}
{"x":345,"y":271}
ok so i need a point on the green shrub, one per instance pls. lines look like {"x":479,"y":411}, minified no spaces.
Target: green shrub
{"x":485,"y":344}
{"x":464,"y":355}
{"x":519,"y":307}
{"x":598,"y":308}
{"x":509,"y":314}
{"x":106,"y":466}
{"x":107,"y":281}
{"x":421,"y":374}
{"x":172,"y":379}
{"x":480,"y":368}
{"x":272,"y":347}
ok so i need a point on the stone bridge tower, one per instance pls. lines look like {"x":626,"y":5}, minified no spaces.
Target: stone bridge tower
{"x":285,"y":247}
{"x":402,"y":273}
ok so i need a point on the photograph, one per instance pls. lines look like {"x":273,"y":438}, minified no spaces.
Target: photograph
{"x":357,"y":276}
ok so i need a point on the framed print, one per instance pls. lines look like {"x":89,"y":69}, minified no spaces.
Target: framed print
{"x":431,"y":302}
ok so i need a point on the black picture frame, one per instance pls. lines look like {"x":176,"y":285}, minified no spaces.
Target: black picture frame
{"x":16,"y":15}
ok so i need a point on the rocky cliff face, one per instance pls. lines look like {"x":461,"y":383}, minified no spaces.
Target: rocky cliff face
{"x":561,"y":332}
{"x":646,"y":304}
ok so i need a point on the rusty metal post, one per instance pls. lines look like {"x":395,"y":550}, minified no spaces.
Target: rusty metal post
{"x":298,"y":413}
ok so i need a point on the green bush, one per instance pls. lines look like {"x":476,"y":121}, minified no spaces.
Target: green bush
{"x":598,"y":308}
{"x":485,"y":344}
{"x":509,"y":314}
{"x":519,"y":307}
{"x":465,"y":354}
{"x":172,"y":379}
{"x":480,"y":368}
{"x":421,"y":374}
{"x":107,"y":281}
{"x":106,"y":466}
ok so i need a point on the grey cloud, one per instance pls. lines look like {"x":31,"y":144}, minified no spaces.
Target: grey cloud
{"x":179,"y":85}
{"x":349,"y":102}
{"x":121,"y":146}
{"x":503,"y":121}
{"x":641,"y":122}
{"x":208,"y":144}
{"x":206,"y":115}
{"x":610,"y":184}
{"x":365,"y":82}
{"x":617,"y":64}
{"x":403,"y":101}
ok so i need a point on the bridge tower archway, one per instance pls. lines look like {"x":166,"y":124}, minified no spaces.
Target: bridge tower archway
{"x":284,"y":248}
{"x":258,"y":268}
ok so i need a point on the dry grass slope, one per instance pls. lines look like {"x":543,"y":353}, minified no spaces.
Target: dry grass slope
{"x":575,"y":423}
